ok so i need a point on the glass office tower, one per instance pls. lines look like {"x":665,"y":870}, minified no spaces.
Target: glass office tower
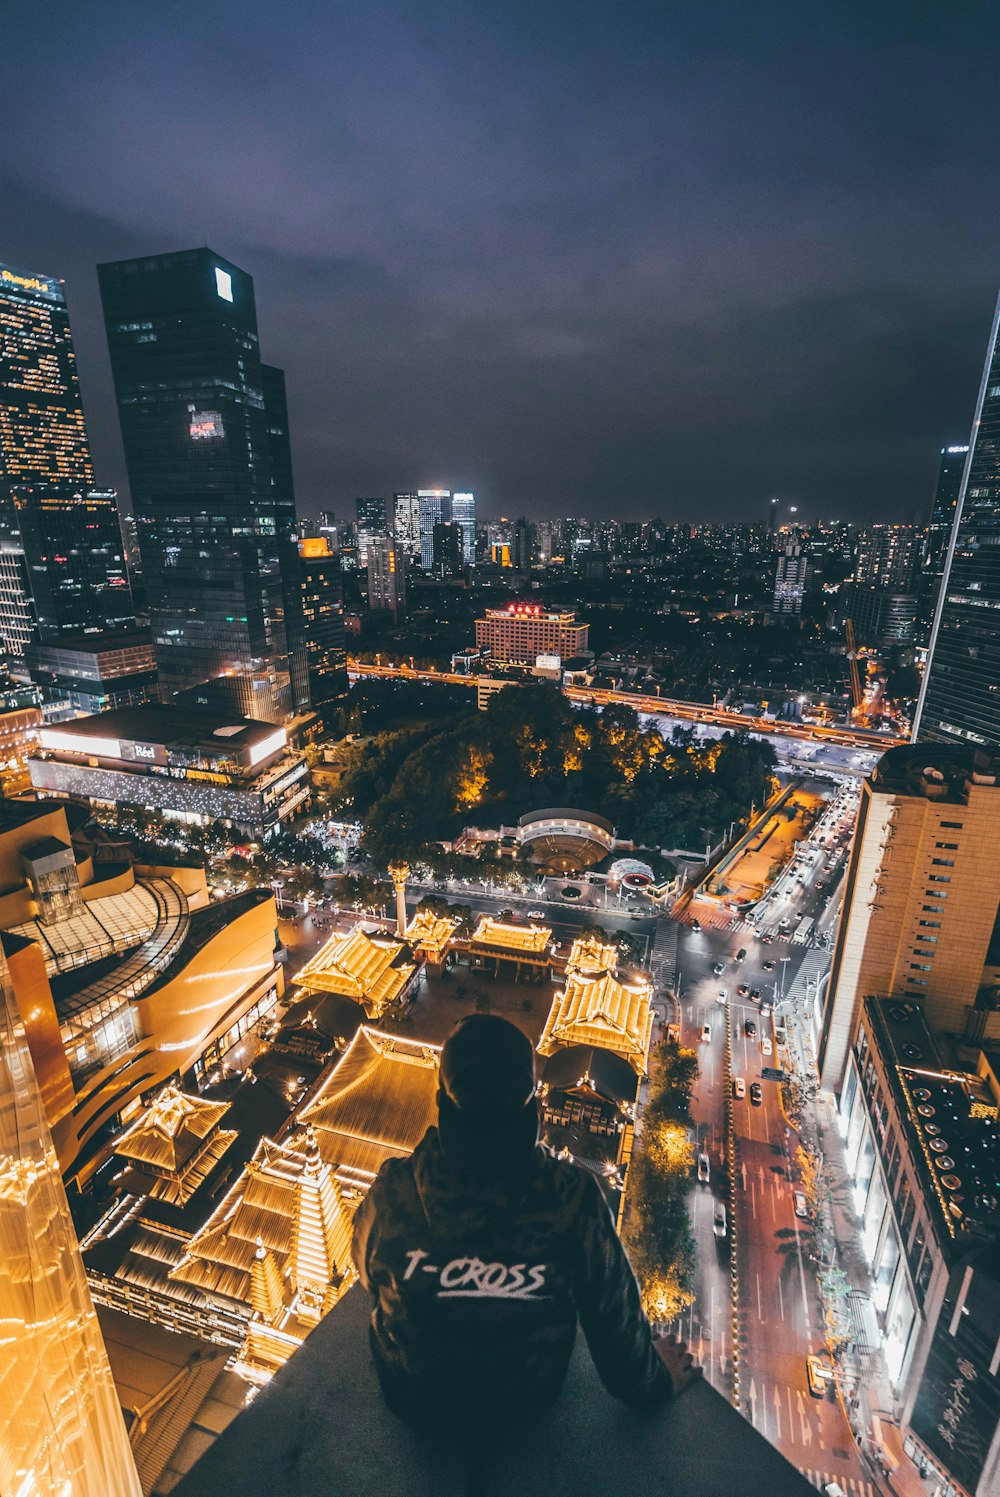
{"x":960,"y":696}
{"x":434,"y":505}
{"x":62,"y":570}
{"x":463,"y":512}
{"x":939,"y":530}
{"x":205,"y":435}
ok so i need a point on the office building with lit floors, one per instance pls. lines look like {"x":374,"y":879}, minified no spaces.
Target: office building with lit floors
{"x":938,"y":534}
{"x":960,"y":695}
{"x":323,"y":624}
{"x":387,"y":574}
{"x":922,"y":1141}
{"x":188,"y":765}
{"x":204,"y":428}
{"x":519,"y":633}
{"x":921,"y":896}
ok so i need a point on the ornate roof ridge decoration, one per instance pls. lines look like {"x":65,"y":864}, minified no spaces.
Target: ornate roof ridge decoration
{"x":173,"y":1119}
{"x":502,"y":935}
{"x":372,"y":967}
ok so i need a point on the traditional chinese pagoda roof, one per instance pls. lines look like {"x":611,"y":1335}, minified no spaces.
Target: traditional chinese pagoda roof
{"x":172,"y":1132}
{"x":517,"y":940}
{"x":600,"y":1006}
{"x":269,"y":1207}
{"x":590,"y":1071}
{"x":377,"y":1102}
{"x":430,"y":931}
{"x":372,"y":967}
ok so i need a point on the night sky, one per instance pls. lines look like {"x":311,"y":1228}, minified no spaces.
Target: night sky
{"x":596,"y":258}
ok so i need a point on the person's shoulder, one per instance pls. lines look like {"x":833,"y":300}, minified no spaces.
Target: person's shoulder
{"x":564,"y":1179}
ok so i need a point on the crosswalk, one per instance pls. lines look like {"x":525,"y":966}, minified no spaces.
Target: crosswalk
{"x":854,"y":1486}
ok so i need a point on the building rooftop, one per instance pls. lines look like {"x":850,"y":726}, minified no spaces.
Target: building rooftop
{"x":378,"y":1101}
{"x":172,"y":1131}
{"x":954,"y":1120}
{"x":371,"y":967}
{"x":430,"y":930}
{"x":321,"y":1427}
{"x":191,"y":728}
{"x":936,"y":771}
{"x":499,"y":935}
{"x":97,"y":643}
{"x":600,"y":1006}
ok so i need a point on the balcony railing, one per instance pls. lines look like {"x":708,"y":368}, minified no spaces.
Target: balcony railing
{"x":320,"y":1429}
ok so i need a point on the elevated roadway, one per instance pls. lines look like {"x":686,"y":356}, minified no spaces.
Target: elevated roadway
{"x":666,"y":707}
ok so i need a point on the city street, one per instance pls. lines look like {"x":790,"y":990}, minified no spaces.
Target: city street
{"x":780,"y":1316}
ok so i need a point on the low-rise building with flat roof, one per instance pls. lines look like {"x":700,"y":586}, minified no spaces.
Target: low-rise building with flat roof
{"x":189,"y":764}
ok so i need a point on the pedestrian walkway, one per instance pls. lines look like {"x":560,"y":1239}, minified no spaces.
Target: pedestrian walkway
{"x":853,"y":1486}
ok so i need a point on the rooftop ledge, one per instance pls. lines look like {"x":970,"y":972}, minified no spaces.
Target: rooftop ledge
{"x":320,"y":1429}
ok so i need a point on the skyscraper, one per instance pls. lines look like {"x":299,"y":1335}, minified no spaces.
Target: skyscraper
{"x":387,"y":577}
{"x":921,"y":897}
{"x":939,"y":530}
{"x":406,"y":522}
{"x":435,"y":506}
{"x":205,"y":433}
{"x":449,"y":549}
{"x":62,"y":568}
{"x":323,"y":611}
{"x":372,"y":522}
{"x":463,"y":512}
{"x":888,"y":556}
{"x":790,"y":578}
{"x":960,"y":697}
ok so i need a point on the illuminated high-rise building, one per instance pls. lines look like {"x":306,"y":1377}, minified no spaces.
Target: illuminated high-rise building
{"x":463,"y":512}
{"x":61,"y":1428}
{"x":434,"y":505}
{"x":406,"y":522}
{"x":323,"y":610}
{"x":387,"y":578}
{"x":62,"y":568}
{"x":960,"y":696}
{"x":372,"y":523}
{"x":204,"y":428}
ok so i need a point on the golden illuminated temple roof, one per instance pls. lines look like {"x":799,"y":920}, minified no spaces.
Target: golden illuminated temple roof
{"x":519,"y":940}
{"x":267,"y":1208}
{"x":169,"y":1138}
{"x":377,"y":1102}
{"x":428,"y":931}
{"x":373,"y":968}
{"x":598,"y":1006}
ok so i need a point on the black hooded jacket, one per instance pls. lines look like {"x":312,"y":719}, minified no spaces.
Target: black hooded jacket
{"x":478,"y":1280}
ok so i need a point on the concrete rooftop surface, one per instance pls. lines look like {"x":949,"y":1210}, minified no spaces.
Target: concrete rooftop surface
{"x":320,"y":1429}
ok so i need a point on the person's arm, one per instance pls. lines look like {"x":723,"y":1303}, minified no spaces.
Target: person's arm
{"x":607,"y":1298}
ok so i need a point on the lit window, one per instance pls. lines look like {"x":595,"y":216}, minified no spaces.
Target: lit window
{"x":224,"y":284}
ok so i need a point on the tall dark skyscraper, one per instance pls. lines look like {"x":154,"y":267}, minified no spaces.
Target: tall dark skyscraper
{"x":960,"y":698}
{"x":939,"y":529}
{"x":323,"y":609}
{"x":62,"y":570}
{"x":205,"y":431}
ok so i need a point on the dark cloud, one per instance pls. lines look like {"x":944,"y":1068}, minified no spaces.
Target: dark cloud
{"x":579,"y":257}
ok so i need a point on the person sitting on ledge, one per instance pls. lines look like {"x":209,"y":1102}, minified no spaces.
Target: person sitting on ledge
{"x":482,"y":1249}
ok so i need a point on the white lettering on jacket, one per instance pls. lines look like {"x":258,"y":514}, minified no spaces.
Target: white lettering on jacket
{"x":471,"y":1278}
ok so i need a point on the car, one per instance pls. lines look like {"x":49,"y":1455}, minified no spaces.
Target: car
{"x":750,"y":1029}
{"x":696,"y":926}
{"x":506,"y":914}
{"x":719,"y":1223}
{"x":765,"y":1007}
{"x":819,"y":1375}
{"x":706,"y":1033}
{"x":721,"y":996}
{"x":536,"y":914}
{"x":765,"y":1045}
{"x":718,"y":969}
{"x":783,"y":921}
{"x":768,"y":965}
{"x":766,"y":939}
{"x":741,"y":955}
{"x":703,"y":1167}
{"x":756,"y":1093}
{"x":755,"y":995}
{"x":739,"y":1088}
{"x":743,"y":990}
{"x":800,"y":1203}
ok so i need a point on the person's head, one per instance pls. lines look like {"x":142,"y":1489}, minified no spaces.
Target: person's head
{"x":487,"y":1113}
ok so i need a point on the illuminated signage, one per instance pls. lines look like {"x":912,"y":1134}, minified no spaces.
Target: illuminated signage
{"x":269,"y":745}
{"x":205,"y":425}
{"x":143,"y":751}
{"x":25,"y":282}
{"x":73,"y":743}
{"x":224,"y":284}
